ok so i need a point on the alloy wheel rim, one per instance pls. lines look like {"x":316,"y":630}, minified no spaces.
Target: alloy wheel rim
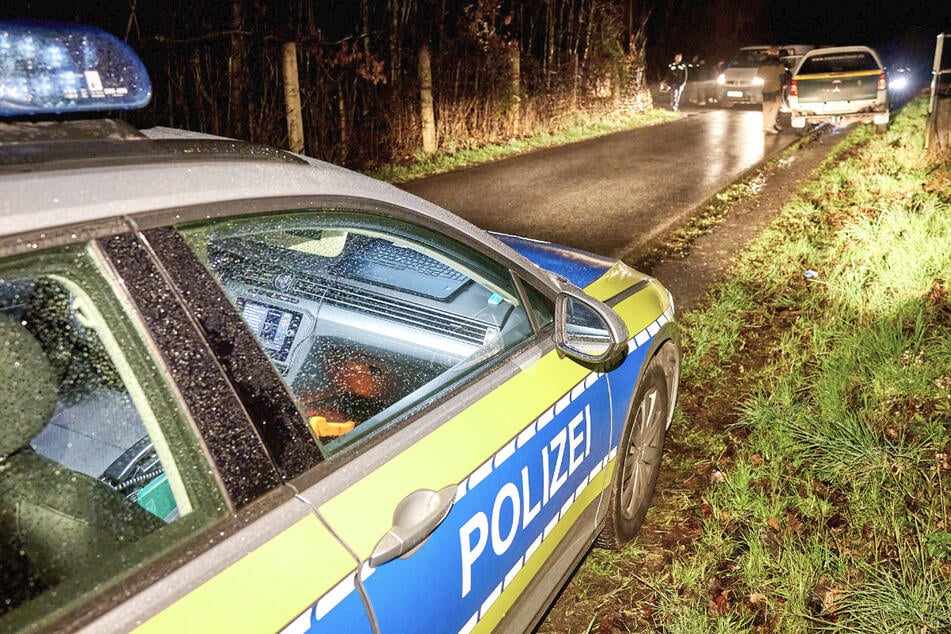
{"x":642,"y":453}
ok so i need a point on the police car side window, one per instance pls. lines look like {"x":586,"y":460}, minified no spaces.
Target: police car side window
{"x":92,"y":478}
{"x":364,"y":320}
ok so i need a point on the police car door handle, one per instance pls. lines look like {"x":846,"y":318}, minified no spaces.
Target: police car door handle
{"x":415,"y":518}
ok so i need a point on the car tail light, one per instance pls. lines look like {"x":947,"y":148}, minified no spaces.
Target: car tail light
{"x":793,"y":88}
{"x":881,"y":82}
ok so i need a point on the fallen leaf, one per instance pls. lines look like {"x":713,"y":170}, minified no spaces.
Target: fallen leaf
{"x":757,"y":598}
{"x":793,"y":523}
{"x":835,"y":521}
{"x":824,"y":597}
{"x":719,"y":604}
{"x":830,"y":599}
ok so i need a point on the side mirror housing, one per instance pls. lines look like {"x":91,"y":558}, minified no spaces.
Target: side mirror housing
{"x":589,"y":332}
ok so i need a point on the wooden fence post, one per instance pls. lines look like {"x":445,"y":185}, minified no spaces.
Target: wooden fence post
{"x":295,"y":122}
{"x":427,"y":114}
{"x":515,"y":87}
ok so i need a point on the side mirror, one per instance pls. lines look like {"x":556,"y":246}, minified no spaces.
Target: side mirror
{"x":589,"y":332}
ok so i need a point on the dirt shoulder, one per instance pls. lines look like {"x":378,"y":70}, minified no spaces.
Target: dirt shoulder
{"x":589,"y":603}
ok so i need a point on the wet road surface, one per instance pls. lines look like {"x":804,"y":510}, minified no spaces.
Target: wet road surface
{"x":615,"y":194}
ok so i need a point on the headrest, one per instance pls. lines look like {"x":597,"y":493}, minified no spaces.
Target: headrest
{"x":27,"y":386}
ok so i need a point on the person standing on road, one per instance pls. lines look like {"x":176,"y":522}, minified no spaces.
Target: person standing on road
{"x":676,"y":79}
{"x":773,"y":74}
{"x":696,"y":89}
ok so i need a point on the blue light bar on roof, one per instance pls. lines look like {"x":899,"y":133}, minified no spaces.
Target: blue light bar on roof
{"x":57,"y":68}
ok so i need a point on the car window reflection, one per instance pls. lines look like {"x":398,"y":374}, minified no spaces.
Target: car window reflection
{"x":87,"y":475}
{"x":363,"y":322}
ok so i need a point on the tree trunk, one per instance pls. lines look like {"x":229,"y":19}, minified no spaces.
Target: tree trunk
{"x":549,"y":46}
{"x":237,"y":77}
{"x":394,"y":43}
{"x":295,"y":124}
{"x":427,"y":114}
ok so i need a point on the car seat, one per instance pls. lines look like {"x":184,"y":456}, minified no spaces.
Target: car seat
{"x":55,"y":523}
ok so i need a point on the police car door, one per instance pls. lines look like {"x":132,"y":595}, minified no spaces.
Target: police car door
{"x":454,"y":496}
{"x":461,"y":515}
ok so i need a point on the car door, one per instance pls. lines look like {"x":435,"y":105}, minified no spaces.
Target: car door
{"x":459,"y":448}
{"x":100,"y":472}
{"x":454,"y":527}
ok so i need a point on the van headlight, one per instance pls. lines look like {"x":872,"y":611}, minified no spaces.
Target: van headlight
{"x":757,"y":81}
{"x":721,"y":79}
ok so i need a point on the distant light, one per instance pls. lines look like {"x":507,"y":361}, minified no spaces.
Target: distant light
{"x":898,"y":83}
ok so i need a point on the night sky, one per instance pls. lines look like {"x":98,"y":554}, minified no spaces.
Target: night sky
{"x":903,"y":32}
{"x":897,"y":28}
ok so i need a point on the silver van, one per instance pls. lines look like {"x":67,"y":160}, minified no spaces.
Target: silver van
{"x":738,"y":82}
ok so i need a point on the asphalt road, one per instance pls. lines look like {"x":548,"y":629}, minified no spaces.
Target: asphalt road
{"x":615,"y":194}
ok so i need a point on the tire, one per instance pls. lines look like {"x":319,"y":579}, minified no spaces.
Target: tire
{"x":638,"y":458}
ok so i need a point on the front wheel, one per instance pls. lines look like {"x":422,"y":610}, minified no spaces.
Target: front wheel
{"x":638,"y":460}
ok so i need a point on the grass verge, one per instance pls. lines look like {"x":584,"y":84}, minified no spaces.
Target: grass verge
{"x":812,"y":443}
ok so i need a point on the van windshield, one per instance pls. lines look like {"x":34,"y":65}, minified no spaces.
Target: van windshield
{"x":749,"y":58}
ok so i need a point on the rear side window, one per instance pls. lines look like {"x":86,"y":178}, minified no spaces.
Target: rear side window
{"x":98,"y":472}
{"x":839,"y":63}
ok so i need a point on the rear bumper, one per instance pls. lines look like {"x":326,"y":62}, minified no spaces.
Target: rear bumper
{"x":838,"y":113}
{"x":800,"y":119}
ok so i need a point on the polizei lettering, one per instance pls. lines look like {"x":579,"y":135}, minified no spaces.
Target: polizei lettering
{"x":522,"y":500}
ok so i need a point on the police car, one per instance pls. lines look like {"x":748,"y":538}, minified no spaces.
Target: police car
{"x":242,"y":389}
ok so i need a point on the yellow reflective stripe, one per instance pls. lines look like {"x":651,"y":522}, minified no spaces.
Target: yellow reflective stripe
{"x":450,"y":453}
{"x":642,"y":308}
{"x":638,"y":310}
{"x":264,"y":590}
{"x":862,"y":73}
{"x":616,"y":280}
